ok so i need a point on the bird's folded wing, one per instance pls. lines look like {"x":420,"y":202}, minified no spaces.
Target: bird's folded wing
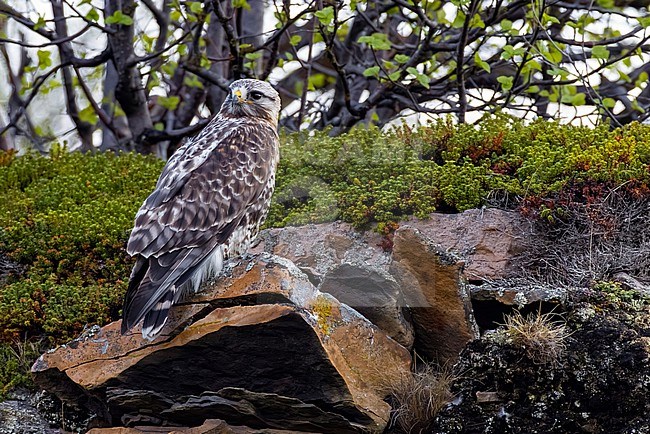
{"x":191,"y":207}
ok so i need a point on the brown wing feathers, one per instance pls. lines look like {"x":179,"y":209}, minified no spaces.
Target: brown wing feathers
{"x":191,"y":213}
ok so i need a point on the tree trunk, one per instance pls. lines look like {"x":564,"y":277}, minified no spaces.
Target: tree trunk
{"x":129,"y":91}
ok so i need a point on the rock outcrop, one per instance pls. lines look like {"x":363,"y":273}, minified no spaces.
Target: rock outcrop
{"x":261,"y":347}
{"x":210,"y":426}
{"x":489,"y":240}
{"x":438,"y":299}
{"x":350,"y":265}
{"x":356,"y":268}
{"x":272,"y":345}
{"x":19,"y":415}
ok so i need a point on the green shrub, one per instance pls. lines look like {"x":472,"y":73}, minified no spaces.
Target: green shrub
{"x":369,"y":176}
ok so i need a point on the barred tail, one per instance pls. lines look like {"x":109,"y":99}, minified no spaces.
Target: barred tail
{"x":158,"y":283}
{"x":156,"y":318}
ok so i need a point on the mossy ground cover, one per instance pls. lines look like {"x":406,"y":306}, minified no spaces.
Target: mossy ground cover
{"x":65,"y":218}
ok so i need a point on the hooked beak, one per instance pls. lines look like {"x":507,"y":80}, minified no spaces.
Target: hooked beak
{"x":237,"y":93}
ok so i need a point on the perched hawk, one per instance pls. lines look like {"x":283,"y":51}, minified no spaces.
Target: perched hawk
{"x":208,"y":205}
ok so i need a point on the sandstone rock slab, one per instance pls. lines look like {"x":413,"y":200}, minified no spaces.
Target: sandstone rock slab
{"x":210,"y":426}
{"x":489,"y":239}
{"x":261,"y":347}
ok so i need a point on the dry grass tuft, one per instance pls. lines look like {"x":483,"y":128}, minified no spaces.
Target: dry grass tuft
{"x":418,"y":397}
{"x":542,"y":336}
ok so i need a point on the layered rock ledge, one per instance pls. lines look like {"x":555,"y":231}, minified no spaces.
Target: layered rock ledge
{"x":260,"y":347}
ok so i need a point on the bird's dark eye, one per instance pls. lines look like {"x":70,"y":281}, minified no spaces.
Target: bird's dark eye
{"x":256,"y":95}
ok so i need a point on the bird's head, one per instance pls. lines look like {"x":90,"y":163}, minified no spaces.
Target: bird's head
{"x":252,"y":98}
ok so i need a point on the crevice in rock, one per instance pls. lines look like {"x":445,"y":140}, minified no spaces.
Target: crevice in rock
{"x":490,"y":314}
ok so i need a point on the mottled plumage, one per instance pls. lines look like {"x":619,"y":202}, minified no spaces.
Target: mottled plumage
{"x":208,"y":205}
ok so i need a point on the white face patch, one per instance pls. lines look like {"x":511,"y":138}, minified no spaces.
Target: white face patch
{"x":240,"y":94}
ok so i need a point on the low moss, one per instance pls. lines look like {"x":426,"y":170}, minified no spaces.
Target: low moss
{"x":66,"y":219}
{"x":368,"y":176}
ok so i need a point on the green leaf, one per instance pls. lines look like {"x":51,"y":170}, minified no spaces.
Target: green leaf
{"x":578,"y":99}
{"x":175,"y":15}
{"x":412,"y":70}
{"x":531,"y":65}
{"x":481,"y":63}
{"x":158,"y":126}
{"x":623,"y":76}
{"x":506,"y":25}
{"x":44,"y":59}
{"x":119,"y":18}
{"x":253,"y":56}
{"x":192,"y":81}
{"x":600,"y":52}
{"x":506,"y":82}
{"x":394,"y":76}
{"x":40,"y":23}
{"x":644,"y":21}
{"x":509,"y":52}
{"x":170,"y":103}
{"x":477,"y":22}
{"x":169,"y":68}
{"x":245,"y":48}
{"x":533,"y":89}
{"x":401,"y":58}
{"x":92,"y":15}
{"x":459,"y":21}
{"x":317,"y":81}
{"x":377,"y":41}
{"x":154,"y":80}
{"x":422,"y":78}
{"x":88,"y":115}
{"x":555,"y":55}
{"x":147,"y":41}
{"x":295,"y":40}
{"x":559,"y":72}
{"x":609,"y":102}
{"x":371,"y":72}
{"x":195,"y":7}
{"x":241,"y":4}
{"x":546,"y":19}
{"x":325,"y":16}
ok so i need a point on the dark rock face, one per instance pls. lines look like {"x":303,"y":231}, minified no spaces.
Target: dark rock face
{"x":602,"y":384}
{"x":375,"y":294}
{"x":19,"y":415}
{"x":261,"y":348}
{"x":27,"y":412}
